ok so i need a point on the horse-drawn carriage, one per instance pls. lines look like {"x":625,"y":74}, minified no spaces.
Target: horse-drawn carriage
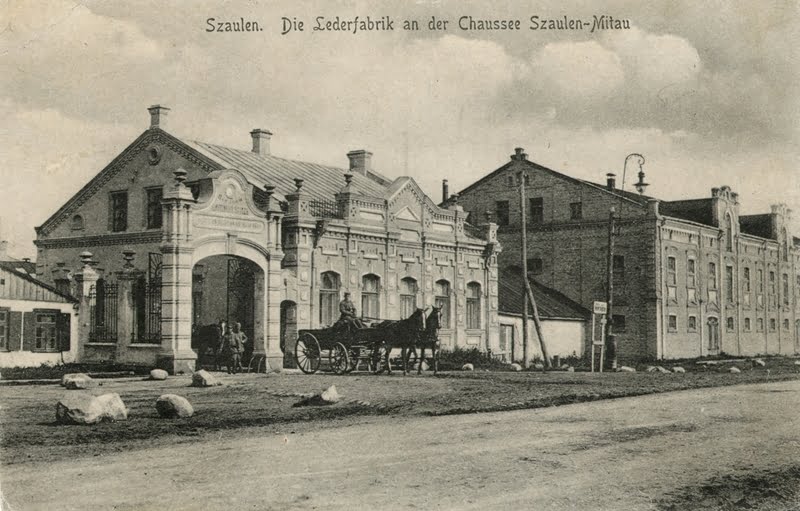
{"x":345,"y":346}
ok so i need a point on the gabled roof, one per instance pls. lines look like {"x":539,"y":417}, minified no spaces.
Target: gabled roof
{"x":28,"y":267}
{"x":10,"y":268}
{"x":757,"y":225}
{"x":550,"y":303}
{"x":694,"y":210}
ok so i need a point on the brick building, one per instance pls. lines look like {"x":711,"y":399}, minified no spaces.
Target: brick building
{"x":690,"y":278}
{"x":184,"y":233}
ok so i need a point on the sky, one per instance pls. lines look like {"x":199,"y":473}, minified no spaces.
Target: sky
{"x":708,"y":92}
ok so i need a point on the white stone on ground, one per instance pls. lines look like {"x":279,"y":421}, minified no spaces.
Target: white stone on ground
{"x":158,"y":374}
{"x":203,"y":378}
{"x":468,"y":367}
{"x":113,"y":407}
{"x":625,"y":369}
{"x":327,"y":397}
{"x":678,"y":369}
{"x":538,"y":366}
{"x":759,"y":362}
{"x":82,"y":408}
{"x":172,"y":406}
{"x":78,"y":381}
{"x":516,"y":367}
{"x":734,"y":370}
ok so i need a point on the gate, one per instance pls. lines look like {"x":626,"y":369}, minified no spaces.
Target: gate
{"x":103,"y":313}
{"x":147,"y":302}
{"x":241,"y":291}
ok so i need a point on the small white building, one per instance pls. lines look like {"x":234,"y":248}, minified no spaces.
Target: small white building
{"x":37,"y":322}
{"x":565,"y":323}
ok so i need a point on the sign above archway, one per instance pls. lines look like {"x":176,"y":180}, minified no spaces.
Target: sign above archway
{"x":225,"y":206}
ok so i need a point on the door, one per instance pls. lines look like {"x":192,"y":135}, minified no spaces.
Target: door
{"x":713,"y":335}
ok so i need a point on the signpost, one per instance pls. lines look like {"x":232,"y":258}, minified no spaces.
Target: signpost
{"x":599,"y":313}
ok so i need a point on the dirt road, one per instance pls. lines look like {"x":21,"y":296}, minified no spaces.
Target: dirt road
{"x":618,"y":454}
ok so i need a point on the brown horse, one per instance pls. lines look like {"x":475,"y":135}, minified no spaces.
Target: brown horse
{"x":430,"y":339}
{"x":403,"y":334}
{"x":209,"y":338}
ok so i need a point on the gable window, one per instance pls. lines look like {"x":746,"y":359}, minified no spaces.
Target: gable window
{"x":501,"y":210}
{"x":370,"y":299}
{"x":329,"y":298}
{"x":154,"y":208}
{"x":729,"y":284}
{"x":535,"y":265}
{"x":691,"y":324}
{"x":473,"y":305}
{"x":77,"y":223}
{"x":442,"y":301}
{"x":536,"y":206}
{"x":119,"y":211}
{"x":510,"y":180}
{"x":576,"y":211}
{"x":408,"y":297}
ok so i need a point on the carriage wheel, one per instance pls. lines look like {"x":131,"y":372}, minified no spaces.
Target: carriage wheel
{"x":355,"y":355}
{"x":378,"y":358}
{"x":339,"y":359}
{"x":307,"y":353}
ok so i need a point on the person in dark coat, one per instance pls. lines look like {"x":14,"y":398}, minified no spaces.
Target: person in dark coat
{"x":233,"y":346}
{"x":349,"y":315}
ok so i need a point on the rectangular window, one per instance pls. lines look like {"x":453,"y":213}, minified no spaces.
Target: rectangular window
{"x":473,"y":306}
{"x":760,"y":324}
{"x":618,"y":266}
{"x":442,"y":301}
{"x":119,"y":211}
{"x":691,"y":324}
{"x":786,"y":324}
{"x":4,"y":317}
{"x":760,"y":288}
{"x":535,"y":265}
{"x":746,"y":324}
{"x":154,"y":208}
{"x":46,"y":337}
{"x":746,"y":283}
{"x":691,"y":295}
{"x":772,"y":325}
{"x":618,"y":324}
{"x":712,"y":276}
{"x":729,"y":324}
{"x":576,"y":211}
{"x":537,"y":210}
{"x":772,"y":289}
{"x":510,"y":180}
{"x":785,"y":289}
{"x":501,"y":210}
{"x":672,"y":271}
{"x":691,"y":273}
{"x":729,"y":284}
{"x":408,"y":297}
{"x":672,"y":324}
{"x":370,"y":302}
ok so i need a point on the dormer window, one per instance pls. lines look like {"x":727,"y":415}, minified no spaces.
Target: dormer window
{"x":77,"y":223}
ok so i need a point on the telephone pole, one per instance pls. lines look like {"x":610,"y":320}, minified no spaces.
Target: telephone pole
{"x":524,"y":233}
{"x":611,"y":343}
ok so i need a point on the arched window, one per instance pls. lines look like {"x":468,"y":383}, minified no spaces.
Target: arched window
{"x":473,"y":305}
{"x":77,"y":223}
{"x":729,"y":233}
{"x":370,"y":297}
{"x":329,"y":298}
{"x":442,"y":300}
{"x":408,"y":297}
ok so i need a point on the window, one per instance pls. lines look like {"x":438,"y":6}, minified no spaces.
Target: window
{"x":760,"y":324}
{"x":691,"y":295}
{"x":329,"y":298}
{"x":772,"y":325}
{"x":535,"y":265}
{"x":576,"y":211}
{"x":785,"y":289}
{"x":46,"y":332}
{"x":408,"y":297}
{"x":729,"y":325}
{"x":729,"y":234}
{"x":760,"y":287}
{"x":501,"y":210}
{"x":746,"y":324}
{"x":712,"y":276}
{"x":442,"y":301}
{"x":672,"y":271}
{"x":473,"y":305}
{"x":77,"y":223}
{"x":154,"y":208}
{"x":370,"y":302}
{"x":537,"y":210}
{"x":691,"y":324}
{"x":510,"y":180}
{"x":772,"y":289}
{"x":4,"y":329}
{"x":618,"y":266}
{"x":746,"y":280}
{"x":119,"y":211}
{"x":618,"y":323}
{"x":729,"y":284}
{"x":786,"y":324}
{"x":672,"y":324}
{"x":691,"y":273}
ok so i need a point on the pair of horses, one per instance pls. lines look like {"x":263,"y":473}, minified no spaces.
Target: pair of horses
{"x":208,"y":338}
{"x":416,"y":331}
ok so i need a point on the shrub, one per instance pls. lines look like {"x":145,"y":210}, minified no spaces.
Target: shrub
{"x":454,"y":360}
{"x":55,"y":372}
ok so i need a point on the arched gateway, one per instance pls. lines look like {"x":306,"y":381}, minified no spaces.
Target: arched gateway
{"x":223,"y":220}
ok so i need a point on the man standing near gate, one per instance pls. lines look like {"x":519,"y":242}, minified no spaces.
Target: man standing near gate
{"x":232,"y":346}
{"x":348,"y":312}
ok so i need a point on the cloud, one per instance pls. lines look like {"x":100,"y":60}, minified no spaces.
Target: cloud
{"x":577,"y":70}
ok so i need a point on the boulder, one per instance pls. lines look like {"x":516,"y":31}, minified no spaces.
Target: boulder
{"x":797,"y":362}
{"x":468,"y":367}
{"x":661,"y":369}
{"x":678,"y":369}
{"x":570,"y":369}
{"x":734,"y":370}
{"x":158,"y":374}
{"x":78,"y":381}
{"x":538,"y":366}
{"x":516,"y":367}
{"x":758,"y":362}
{"x":82,"y":408}
{"x":625,"y":369}
{"x":203,"y":378}
{"x":171,"y":406}
{"x":327,"y":397}
{"x":650,"y":369}
{"x":113,"y":407}
{"x":425,"y":366}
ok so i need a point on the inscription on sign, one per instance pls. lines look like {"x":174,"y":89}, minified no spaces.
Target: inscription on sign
{"x":600,"y":307}
{"x":223,"y":223}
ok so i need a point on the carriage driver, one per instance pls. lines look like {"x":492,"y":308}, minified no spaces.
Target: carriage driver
{"x":349,"y":316}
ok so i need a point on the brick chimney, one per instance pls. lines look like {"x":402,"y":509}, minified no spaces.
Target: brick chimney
{"x":611,"y":181}
{"x":445,"y":191}
{"x":519,"y":154}
{"x":261,"y":140}
{"x":158,"y":116}
{"x":360,"y":161}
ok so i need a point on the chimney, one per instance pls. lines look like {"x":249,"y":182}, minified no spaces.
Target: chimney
{"x":445,"y":191}
{"x":261,"y":141}
{"x":519,"y":154}
{"x":158,"y":116}
{"x":611,"y":181}
{"x":3,"y":250}
{"x":360,"y":161}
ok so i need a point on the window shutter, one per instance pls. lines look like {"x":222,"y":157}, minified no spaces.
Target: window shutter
{"x":28,"y":331}
{"x":64,"y":331}
{"x":14,"y":331}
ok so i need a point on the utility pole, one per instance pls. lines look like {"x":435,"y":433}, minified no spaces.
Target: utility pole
{"x":610,"y":340}
{"x":524,"y":234}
